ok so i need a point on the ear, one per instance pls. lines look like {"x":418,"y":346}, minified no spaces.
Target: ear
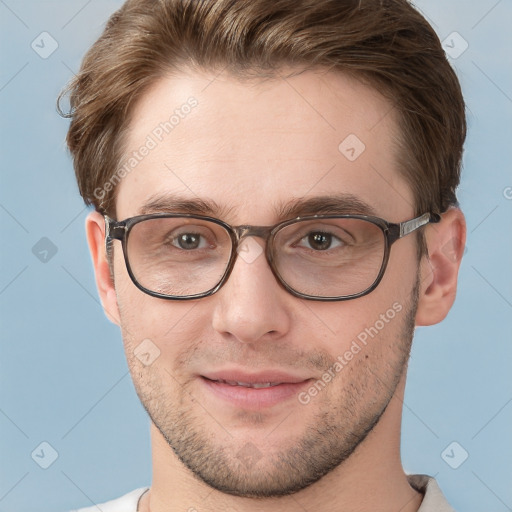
{"x":95,"y":230}
{"x":439,"y":270}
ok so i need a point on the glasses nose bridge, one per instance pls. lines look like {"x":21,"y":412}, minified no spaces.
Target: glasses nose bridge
{"x":244,"y":231}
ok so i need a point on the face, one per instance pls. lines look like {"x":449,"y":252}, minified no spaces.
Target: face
{"x":250,"y":150}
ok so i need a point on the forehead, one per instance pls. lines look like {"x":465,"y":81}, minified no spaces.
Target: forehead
{"x":252,"y":145}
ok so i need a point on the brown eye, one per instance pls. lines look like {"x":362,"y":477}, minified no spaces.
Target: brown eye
{"x":320,"y":241}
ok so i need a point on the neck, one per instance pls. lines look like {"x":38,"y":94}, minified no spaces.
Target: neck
{"x":372,"y":478}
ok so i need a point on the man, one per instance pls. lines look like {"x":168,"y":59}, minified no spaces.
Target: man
{"x":275,"y":211}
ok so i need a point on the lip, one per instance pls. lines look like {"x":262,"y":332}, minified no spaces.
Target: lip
{"x":285,"y":386}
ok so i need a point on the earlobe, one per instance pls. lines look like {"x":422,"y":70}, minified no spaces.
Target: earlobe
{"x":95,"y":230}
{"x":439,"y":270}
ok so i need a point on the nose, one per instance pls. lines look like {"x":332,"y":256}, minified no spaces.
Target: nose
{"x":252,"y":306}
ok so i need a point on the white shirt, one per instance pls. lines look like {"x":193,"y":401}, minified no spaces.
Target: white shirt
{"x":433,"y":499}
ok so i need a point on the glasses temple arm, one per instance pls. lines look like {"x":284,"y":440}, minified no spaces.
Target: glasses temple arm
{"x":412,"y":225}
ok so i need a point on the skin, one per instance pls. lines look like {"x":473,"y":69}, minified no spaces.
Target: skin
{"x":249,"y":146}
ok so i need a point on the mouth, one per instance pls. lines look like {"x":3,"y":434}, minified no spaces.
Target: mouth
{"x":253,"y":391}
{"x":254,"y":385}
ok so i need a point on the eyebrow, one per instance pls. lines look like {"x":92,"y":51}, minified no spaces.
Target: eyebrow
{"x":170,"y":203}
{"x":337,"y":204}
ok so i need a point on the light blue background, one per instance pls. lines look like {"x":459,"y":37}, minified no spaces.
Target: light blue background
{"x":63,"y":377}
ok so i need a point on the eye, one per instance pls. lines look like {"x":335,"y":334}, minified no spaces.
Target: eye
{"x":189,"y":241}
{"x":320,"y":241}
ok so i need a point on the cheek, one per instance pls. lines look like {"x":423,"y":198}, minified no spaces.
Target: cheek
{"x":403,"y":263}
{"x":336,"y":324}
{"x":142,"y":316}
{"x":367,"y":329}
{"x":167,"y":323}
{"x":171,"y":330}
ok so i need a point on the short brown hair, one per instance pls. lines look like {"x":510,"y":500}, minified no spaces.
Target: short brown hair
{"x":385,"y":43}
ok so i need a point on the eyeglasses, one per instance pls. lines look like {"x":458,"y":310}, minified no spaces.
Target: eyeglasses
{"x":319,"y":257}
